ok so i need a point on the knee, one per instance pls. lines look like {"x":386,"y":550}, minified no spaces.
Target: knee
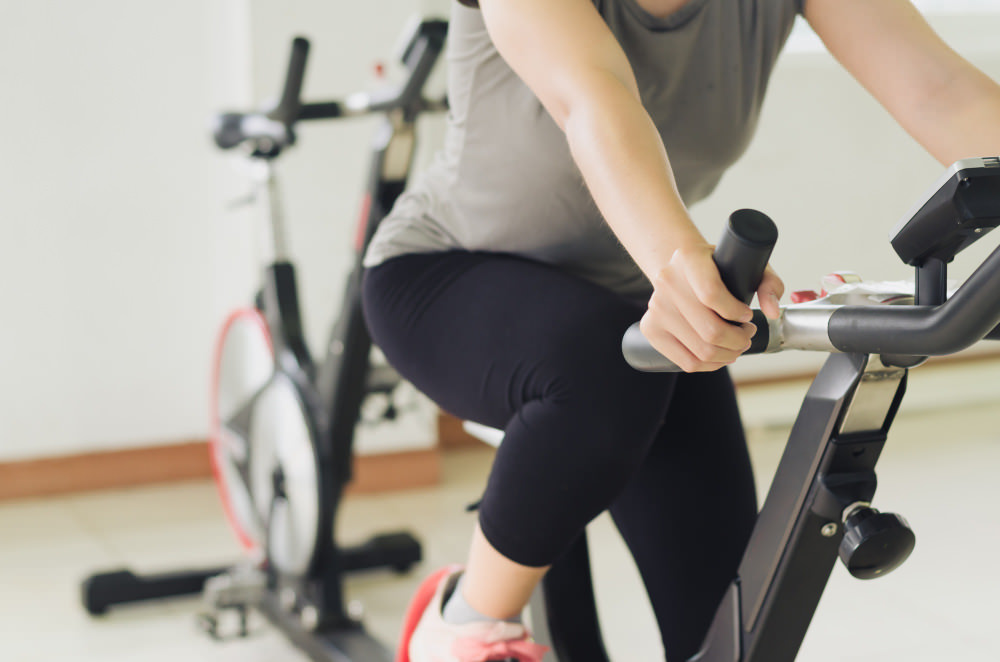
{"x":611,"y":399}
{"x":610,"y":419}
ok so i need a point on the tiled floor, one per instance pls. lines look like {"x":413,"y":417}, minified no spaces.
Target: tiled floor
{"x":939,"y":470}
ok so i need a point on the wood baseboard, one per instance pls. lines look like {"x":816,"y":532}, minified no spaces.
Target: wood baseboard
{"x":190,"y":461}
{"x":388,"y":472}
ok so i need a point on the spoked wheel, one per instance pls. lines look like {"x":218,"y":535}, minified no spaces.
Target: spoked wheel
{"x":243,"y":364}
{"x":263,"y":448}
{"x":284,"y":476}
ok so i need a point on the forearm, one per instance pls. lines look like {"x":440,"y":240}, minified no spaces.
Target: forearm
{"x":961,"y":119}
{"x":565,"y":52}
{"x":943,"y":101}
{"x":621,"y":156}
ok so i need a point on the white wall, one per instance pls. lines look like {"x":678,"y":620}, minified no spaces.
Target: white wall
{"x":119,"y":256}
{"x":118,"y":260}
{"x":107,"y":210}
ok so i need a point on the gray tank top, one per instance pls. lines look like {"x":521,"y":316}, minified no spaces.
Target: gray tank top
{"x":504,"y":179}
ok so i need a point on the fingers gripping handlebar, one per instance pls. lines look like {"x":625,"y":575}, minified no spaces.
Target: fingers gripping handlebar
{"x":962,"y":207}
{"x":896,"y":332}
{"x":741,"y":256}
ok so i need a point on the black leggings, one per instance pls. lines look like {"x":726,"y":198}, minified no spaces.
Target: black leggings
{"x":525,"y":347}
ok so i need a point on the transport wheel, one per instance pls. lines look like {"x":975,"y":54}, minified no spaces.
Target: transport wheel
{"x":243,"y":364}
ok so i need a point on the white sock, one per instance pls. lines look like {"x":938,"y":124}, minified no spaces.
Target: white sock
{"x":459,"y":612}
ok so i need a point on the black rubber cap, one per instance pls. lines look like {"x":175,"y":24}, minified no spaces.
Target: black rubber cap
{"x":753,"y":227}
{"x":743,"y":251}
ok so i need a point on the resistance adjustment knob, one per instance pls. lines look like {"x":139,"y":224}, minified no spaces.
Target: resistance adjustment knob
{"x":875,"y":543}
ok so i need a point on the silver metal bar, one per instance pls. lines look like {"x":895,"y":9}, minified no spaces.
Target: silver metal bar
{"x":806,"y":326}
{"x":277,"y":239}
{"x":869,"y":406}
{"x":803,"y":328}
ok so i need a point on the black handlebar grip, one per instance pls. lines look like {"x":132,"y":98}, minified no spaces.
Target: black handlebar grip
{"x":743,"y":252}
{"x":741,"y":256}
{"x":287,"y":110}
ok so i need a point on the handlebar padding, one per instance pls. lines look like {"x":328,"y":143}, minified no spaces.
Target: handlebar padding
{"x":741,"y":256}
{"x":326,"y":110}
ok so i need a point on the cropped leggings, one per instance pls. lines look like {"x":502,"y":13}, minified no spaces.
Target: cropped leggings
{"x":525,"y":347}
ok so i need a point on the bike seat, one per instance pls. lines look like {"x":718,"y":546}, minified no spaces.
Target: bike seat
{"x":491,"y":436}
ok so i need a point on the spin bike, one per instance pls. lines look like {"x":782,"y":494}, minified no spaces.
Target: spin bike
{"x":819,"y":506}
{"x":283,"y":424}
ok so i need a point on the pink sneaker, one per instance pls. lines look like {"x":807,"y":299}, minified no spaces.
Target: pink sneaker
{"x":427,"y":638}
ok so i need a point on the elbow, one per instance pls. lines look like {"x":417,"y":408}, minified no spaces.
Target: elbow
{"x":578,"y":100}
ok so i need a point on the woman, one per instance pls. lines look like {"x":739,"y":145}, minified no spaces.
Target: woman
{"x":555,"y":216}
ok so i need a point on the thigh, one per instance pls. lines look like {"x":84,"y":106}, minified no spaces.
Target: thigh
{"x":527,"y":348}
{"x":483,"y":334}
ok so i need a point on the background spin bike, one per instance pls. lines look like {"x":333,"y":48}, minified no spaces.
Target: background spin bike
{"x":284,"y":424}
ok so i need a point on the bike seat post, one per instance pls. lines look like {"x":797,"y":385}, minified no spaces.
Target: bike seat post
{"x":274,"y":238}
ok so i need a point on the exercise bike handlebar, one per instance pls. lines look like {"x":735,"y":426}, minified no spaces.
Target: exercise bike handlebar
{"x":971,"y":314}
{"x":287,"y":110}
{"x":270,"y":130}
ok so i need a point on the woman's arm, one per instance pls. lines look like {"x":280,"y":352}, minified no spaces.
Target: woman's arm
{"x":565,"y":53}
{"x":943,"y":101}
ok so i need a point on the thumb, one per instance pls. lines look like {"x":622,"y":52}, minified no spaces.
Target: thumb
{"x":768,"y":294}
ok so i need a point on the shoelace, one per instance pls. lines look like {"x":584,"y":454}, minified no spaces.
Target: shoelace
{"x":477,"y":650}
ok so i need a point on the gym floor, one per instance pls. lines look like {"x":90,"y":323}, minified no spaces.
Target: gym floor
{"x":939,"y":471}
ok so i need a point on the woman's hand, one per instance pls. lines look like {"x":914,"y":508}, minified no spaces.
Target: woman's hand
{"x":693,"y":320}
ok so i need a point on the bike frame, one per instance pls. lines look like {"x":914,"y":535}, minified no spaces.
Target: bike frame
{"x":828,"y":465}
{"x":826,"y":475}
{"x":334,"y":389}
